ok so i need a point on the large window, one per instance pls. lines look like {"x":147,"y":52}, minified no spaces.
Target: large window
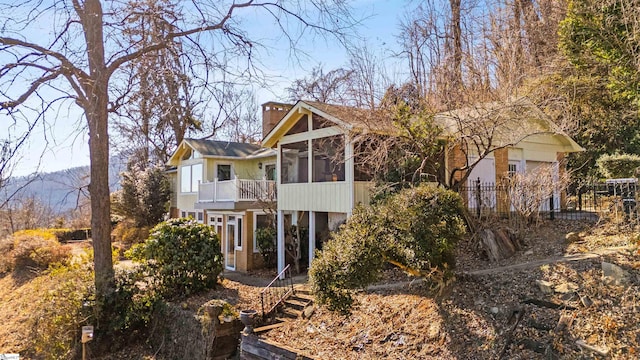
{"x":328,"y":159}
{"x":190,"y":176}
{"x":295,"y":162}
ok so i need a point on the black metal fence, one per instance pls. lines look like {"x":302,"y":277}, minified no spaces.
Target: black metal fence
{"x":614,"y":200}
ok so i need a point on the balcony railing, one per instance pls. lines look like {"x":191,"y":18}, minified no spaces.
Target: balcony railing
{"x":237,"y":190}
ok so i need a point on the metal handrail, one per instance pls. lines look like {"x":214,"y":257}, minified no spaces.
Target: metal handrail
{"x":277,"y":291}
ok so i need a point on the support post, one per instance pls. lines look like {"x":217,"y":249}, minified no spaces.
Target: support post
{"x":281,"y":253}
{"x":312,"y":236}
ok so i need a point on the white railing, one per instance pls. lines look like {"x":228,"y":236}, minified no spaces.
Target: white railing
{"x":237,"y":190}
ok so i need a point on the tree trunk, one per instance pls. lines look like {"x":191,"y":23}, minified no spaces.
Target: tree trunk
{"x":96,"y":113}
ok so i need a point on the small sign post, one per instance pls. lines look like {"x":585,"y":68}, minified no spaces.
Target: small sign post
{"x":87,"y":335}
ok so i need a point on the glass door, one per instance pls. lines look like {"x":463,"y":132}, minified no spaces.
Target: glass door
{"x":230,"y":242}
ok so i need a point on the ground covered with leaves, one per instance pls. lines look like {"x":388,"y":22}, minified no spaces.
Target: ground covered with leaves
{"x":535,"y":312}
{"x":505,"y":314}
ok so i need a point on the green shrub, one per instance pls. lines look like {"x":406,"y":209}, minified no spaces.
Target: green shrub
{"x":182,"y":256}
{"x":266,"y":240}
{"x":351,"y":259}
{"x":618,"y":165}
{"x":133,"y":305}
{"x":415,"y":230}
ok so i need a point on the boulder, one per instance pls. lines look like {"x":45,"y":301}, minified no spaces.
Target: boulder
{"x":545,"y":286}
{"x":614,"y":274}
{"x":572,"y":237}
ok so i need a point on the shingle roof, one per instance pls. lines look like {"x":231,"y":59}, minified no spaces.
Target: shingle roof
{"x":216,"y":148}
{"x":363,"y":119}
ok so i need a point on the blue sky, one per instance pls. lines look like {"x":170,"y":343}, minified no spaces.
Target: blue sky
{"x":62,"y":142}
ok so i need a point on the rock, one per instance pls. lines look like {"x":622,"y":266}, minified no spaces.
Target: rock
{"x":586,"y":301}
{"x":308,"y":312}
{"x":495,"y":310}
{"x":613,"y":274}
{"x":566,"y":288}
{"x":545,"y":286}
{"x":572,"y":237}
{"x":528,"y":253}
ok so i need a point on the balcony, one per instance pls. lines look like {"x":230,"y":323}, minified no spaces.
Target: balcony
{"x":237,"y":190}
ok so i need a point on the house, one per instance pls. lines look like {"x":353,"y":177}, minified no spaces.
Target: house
{"x":319,"y":182}
{"x":230,"y":186}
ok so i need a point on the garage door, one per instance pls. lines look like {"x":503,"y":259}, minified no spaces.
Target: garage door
{"x":485,"y":196}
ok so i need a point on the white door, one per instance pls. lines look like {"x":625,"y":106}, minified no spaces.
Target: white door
{"x":483,"y":196}
{"x":230,"y":243}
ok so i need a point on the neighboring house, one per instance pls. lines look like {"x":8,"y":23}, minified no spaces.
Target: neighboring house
{"x":227,"y":185}
{"x":521,"y":139}
{"x":319,"y":183}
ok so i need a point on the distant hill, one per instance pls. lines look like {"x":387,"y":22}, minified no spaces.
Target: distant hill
{"x":61,"y":189}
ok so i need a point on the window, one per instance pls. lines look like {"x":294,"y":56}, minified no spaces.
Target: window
{"x":270,"y":172}
{"x":301,"y":126}
{"x":320,"y":123}
{"x":295,"y":162}
{"x":200,"y":217}
{"x":239,"y":229}
{"x":224,"y":172}
{"x":328,"y":159}
{"x":512,"y":170}
{"x":216,"y":223}
{"x":190,"y":177}
{"x":183,"y":214}
{"x":261,"y":221}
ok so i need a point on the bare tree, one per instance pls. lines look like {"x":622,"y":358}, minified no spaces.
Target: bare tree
{"x":86,"y":51}
{"x":327,"y":87}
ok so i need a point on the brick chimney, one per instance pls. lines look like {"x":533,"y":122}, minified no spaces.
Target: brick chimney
{"x":272,"y":113}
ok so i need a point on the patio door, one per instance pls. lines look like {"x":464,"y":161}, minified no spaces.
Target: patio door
{"x":230,"y":243}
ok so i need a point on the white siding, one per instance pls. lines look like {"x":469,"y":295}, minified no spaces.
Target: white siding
{"x":326,"y":197}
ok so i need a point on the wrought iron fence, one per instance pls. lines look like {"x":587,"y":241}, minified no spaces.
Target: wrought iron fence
{"x":614,"y":200}
{"x":277,"y":291}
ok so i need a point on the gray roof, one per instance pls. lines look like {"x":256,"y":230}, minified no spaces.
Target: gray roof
{"x":215,"y":148}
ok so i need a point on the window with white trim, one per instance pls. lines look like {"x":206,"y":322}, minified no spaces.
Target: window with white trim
{"x":190,"y":177}
{"x":261,"y":221}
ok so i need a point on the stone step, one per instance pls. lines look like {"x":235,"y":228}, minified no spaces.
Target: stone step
{"x":302,"y":297}
{"x":297,"y":304}
{"x":288,"y":313}
{"x":303,"y":289}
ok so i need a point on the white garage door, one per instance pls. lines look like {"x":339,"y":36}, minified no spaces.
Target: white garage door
{"x":531,"y":166}
{"x":485,"y":196}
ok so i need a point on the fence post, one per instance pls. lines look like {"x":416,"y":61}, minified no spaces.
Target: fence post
{"x":478,"y":198}
{"x":552,"y":215}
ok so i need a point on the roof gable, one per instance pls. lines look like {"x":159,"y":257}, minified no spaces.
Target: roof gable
{"x":345,"y":117}
{"x":219,"y":149}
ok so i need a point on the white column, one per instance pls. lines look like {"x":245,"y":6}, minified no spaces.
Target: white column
{"x":281,"y":254}
{"x":349,"y":164}
{"x":312,"y":235}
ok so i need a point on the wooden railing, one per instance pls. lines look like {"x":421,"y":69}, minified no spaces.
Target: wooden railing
{"x":278,"y":290}
{"x":237,"y":190}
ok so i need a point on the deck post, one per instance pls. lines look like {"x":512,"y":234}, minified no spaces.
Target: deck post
{"x":281,"y":255}
{"x":312,"y":236}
